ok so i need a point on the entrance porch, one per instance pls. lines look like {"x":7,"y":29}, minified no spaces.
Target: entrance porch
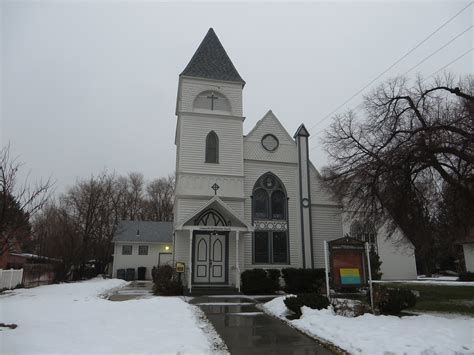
{"x":210,"y":243}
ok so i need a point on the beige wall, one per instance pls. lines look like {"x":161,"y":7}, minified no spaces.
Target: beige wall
{"x":469,"y":256}
{"x":395,"y":251}
{"x":135,"y":260}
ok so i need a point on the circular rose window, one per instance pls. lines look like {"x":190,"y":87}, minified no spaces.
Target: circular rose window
{"x":270,"y":142}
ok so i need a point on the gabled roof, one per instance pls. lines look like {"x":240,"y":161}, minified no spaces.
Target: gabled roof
{"x":269,"y":116}
{"x":211,"y":61}
{"x":301,"y":131}
{"x":222,"y":206}
{"x":144,"y":231}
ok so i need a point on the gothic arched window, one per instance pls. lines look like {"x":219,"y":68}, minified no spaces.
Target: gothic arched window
{"x":278,"y":204}
{"x":211,"y":101}
{"x":364,"y":233}
{"x":261,"y":202}
{"x":270,"y":243}
{"x":212,"y":148}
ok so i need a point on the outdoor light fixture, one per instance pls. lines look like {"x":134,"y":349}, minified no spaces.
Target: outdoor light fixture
{"x":167,"y":248}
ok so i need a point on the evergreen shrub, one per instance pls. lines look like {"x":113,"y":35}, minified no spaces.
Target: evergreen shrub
{"x":466,"y":276}
{"x":165,"y":281}
{"x":303,"y":280}
{"x":311,"y":300}
{"x":260,"y":281}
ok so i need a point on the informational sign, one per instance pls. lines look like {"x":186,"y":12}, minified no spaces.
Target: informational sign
{"x":179,"y":267}
{"x":346,"y":263}
{"x":350,"y":276}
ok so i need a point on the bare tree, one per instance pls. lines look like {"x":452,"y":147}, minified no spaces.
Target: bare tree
{"x":411,"y":145}
{"x":159,"y":199}
{"x":18,"y":202}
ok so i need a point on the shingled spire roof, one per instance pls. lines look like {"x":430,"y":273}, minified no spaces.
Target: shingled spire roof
{"x":211,"y":61}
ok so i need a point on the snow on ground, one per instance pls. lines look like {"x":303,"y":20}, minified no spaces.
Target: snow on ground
{"x":369,"y":334}
{"x":72,"y":318}
{"x":429,"y":281}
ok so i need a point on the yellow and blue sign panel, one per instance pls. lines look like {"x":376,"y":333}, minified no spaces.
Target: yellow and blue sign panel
{"x":350,"y":276}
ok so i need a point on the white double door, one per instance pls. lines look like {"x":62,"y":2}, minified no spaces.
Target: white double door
{"x":210,"y":255}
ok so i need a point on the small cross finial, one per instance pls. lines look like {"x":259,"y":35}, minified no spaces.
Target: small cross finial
{"x":212,"y":98}
{"x":215,"y":187}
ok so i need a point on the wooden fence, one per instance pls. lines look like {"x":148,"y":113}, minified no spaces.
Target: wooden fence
{"x":38,"y":274}
{"x":9,"y":279}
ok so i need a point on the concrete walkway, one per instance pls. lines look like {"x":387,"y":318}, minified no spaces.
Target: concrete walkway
{"x":247,"y":330}
{"x":134,"y":290}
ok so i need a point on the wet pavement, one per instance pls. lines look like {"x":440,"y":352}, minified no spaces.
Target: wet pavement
{"x":132,"y":291}
{"x":247,"y":330}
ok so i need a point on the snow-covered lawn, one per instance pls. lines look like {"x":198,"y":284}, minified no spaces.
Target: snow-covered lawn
{"x":73,"y":319}
{"x":369,"y":334}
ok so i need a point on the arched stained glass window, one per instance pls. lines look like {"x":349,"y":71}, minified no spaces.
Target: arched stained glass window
{"x":212,"y":148}
{"x":278,"y":204}
{"x":270,"y":240}
{"x":260,"y":198}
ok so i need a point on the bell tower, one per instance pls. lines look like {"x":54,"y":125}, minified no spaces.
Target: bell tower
{"x":209,"y":129}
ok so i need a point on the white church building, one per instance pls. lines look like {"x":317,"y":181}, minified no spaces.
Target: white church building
{"x":254,"y":200}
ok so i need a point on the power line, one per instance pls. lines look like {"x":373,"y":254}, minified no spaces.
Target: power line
{"x":431,"y":75}
{"x":447,"y":65}
{"x":391,"y":66}
{"x":439,"y":49}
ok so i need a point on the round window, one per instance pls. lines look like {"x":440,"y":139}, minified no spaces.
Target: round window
{"x":270,"y":142}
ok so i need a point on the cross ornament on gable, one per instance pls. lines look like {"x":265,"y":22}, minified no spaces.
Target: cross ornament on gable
{"x":212,"y":98}
{"x":215,"y":187}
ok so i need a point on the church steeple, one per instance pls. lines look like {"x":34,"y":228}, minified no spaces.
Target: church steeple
{"x":212,"y":62}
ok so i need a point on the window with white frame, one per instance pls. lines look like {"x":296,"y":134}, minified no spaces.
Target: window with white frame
{"x":126,"y":250}
{"x":143,"y":250}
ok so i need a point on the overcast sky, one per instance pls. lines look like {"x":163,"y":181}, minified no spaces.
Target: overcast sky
{"x":92,"y":85}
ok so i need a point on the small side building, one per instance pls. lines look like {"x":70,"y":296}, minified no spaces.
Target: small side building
{"x":142,"y":244}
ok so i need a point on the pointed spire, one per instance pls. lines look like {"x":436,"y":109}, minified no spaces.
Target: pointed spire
{"x":211,"y":61}
{"x":301,"y":131}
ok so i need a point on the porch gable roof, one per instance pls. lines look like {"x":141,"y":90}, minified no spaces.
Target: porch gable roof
{"x":217,"y":203}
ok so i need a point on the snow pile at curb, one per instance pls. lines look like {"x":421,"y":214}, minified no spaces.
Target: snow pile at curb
{"x":369,"y":334}
{"x":73,"y":318}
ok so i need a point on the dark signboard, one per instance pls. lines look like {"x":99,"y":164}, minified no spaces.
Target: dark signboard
{"x":347,"y":263}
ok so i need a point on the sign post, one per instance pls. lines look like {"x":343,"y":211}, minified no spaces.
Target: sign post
{"x":179,"y":267}
{"x":367,"y":251}
{"x":326,"y":266}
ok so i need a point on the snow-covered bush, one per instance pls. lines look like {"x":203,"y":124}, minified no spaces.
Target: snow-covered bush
{"x":311,"y":300}
{"x":390,"y":300}
{"x":349,"y":308}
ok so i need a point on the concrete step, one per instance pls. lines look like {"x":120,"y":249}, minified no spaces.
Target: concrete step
{"x":204,"y":291}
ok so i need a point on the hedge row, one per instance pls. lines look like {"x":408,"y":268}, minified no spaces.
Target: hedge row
{"x":261,"y":281}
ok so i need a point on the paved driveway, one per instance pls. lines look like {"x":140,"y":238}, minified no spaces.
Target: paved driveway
{"x":247,"y":330}
{"x":134,"y":290}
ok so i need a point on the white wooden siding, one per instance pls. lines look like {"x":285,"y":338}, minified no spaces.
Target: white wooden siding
{"x":192,"y":145}
{"x":319,"y":193}
{"x":135,"y":261}
{"x":190,"y":88}
{"x":327,"y":225}
{"x":254,"y":150}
